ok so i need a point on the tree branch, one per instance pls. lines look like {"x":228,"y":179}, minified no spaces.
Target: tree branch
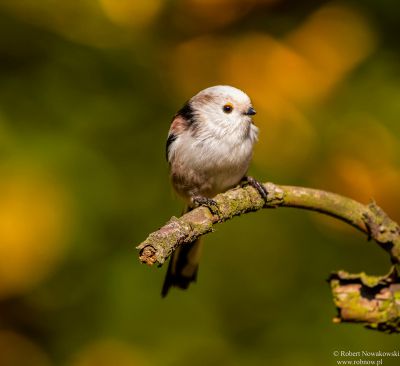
{"x":370,"y":219}
{"x":373,"y":301}
{"x":369,"y":300}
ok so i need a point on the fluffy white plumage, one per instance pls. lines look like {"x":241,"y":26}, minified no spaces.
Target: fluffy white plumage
{"x":209,"y":148}
{"x":211,"y":152}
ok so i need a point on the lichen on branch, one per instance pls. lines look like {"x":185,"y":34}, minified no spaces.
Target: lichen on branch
{"x":370,"y":219}
{"x":369,"y":300}
{"x":374,"y":301}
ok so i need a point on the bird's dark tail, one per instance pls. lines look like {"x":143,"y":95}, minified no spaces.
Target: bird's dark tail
{"x":183,"y":266}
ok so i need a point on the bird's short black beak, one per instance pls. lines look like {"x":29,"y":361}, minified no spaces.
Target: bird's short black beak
{"x":250,"y":112}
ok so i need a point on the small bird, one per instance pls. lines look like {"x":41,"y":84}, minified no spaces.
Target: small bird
{"x":209,"y":148}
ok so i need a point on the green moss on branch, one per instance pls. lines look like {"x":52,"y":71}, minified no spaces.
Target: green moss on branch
{"x":374,"y":301}
{"x":369,"y":300}
{"x":179,"y":231}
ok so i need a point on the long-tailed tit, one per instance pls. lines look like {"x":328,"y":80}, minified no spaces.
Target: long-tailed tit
{"x":209,"y":148}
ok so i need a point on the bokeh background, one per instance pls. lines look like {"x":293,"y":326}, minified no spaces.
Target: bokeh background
{"x":87,"y":91}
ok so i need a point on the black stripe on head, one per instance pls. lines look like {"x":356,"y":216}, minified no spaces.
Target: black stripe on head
{"x":170,"y":140}
{"x":187,"y":113}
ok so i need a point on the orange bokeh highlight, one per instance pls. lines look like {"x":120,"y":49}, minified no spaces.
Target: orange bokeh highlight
{"x":334,"y":39}
{"x":363,"y":166}
{"x":34,"y":221}
{"x":132,"y":13}
{"x":283,"y":77}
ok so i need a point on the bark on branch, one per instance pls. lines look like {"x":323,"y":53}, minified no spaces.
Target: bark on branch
{"x":369,"y":300}
{"x":370,"y":219}
{"x":178,"y":231}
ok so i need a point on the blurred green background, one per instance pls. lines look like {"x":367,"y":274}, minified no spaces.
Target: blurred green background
{"x":87,"y":92}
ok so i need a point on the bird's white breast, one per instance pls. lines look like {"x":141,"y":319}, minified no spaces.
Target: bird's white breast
{"x":220,"y":162}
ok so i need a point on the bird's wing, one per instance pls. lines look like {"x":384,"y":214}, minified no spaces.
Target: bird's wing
{"x":179,"y":125}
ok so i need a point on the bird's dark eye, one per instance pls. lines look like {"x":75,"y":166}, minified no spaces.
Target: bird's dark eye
{"x":228,"y":108}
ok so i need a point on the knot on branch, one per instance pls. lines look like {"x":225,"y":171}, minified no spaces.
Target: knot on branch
{"x":383,"y":230}
{"x":373,"y":301}
{"x":276,"y":195}
{"x":160,"y":244}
